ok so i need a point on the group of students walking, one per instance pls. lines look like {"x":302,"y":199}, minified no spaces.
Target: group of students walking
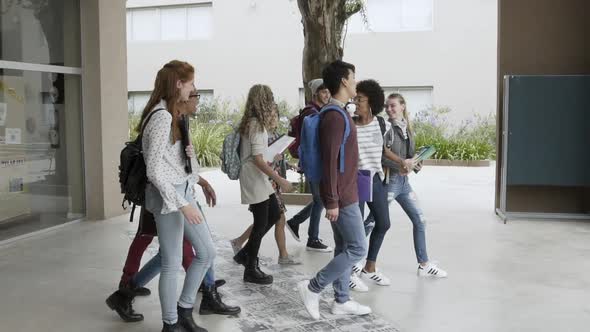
{"x":384,"y":148}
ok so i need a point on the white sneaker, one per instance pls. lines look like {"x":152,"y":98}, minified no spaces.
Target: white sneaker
{"x":350,"y":308}
{"x":357,"y":268}
{"x":432,"y":271}
{"x":289,"y":260}
{"x":357,"y":285}
{"x":376,"y":277}
{"x":311,"y":300}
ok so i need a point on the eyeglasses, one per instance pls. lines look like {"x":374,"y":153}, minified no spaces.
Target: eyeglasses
{"x":195,"y":96}
{"x":359,"y":99}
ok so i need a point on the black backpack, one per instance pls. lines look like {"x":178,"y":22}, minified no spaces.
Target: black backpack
{"x":132,"y":171}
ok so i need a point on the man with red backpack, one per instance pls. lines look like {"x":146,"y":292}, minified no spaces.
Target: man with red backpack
{"x":320,"y":97}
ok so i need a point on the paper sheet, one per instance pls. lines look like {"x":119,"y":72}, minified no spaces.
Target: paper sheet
{"x":278,"y":147}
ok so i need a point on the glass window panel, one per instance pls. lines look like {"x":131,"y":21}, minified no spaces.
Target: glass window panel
{"x":173,"y":23}
{"x":41,"y":32}
{"x":41,"y":159}
{"x":145,"y":24}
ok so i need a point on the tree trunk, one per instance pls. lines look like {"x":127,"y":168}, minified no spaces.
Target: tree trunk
{"x":323,"y":21}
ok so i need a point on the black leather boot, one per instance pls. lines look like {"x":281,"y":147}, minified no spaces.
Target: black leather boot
{"x":253,"y":274}
{"x":212,"y":304}
{"x":132,"y":290}
{"x":185,"y":319}
{"x":218,"y":283}
{"x":122,"y":304}
{"x":241,"y":257}
{"x":172,"y":328}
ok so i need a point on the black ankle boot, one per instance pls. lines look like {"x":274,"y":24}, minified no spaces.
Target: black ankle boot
{"x":241,"y":257}
{"x":122,"y":304}
{"x":218,"y":283}
{"x":172,"y":328}
{"x":212,"y":304}
{"x":132,"y":290}
{"x":185,"y":319}
{"x":253,"y":274}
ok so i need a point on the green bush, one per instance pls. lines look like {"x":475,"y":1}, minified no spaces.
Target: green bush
{"x":133,"y":122}
{"x":207,"y":140}
{"x":473,"y":139}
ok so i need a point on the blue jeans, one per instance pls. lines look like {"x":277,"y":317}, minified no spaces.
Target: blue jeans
{"x":399,"y":189}
{"x":351,"y":247}
{"x":313,"y":211}
{"x":153,"y":267}
{"x":380,"y":214}
{"x":172,"y":227}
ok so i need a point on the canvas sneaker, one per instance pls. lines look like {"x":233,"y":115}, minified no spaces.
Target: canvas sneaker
{"x":431,"y":271}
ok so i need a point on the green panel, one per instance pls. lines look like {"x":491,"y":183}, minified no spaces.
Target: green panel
{"x":549,"y":130}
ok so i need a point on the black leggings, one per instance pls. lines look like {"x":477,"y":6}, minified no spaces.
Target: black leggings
{"x":266,"y":214}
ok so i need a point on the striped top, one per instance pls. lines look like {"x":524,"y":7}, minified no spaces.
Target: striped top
{"x":370,"y":143}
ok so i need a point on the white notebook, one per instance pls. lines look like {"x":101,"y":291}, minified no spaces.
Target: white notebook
{"x":277,"y":147}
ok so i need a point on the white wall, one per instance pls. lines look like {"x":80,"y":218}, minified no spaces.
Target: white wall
{"x":260,"y":41}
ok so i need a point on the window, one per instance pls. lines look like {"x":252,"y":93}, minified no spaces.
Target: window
{"x":394,"y":16}
{"x":170,"y":23}
{"x":173,"y":22}
{"x":41,"y":152}
{"x":200,"y":23}
{"x":144,"y":24}
{"x":207,"y":96}
{"x":136,"y":101}
{"x":417,"y":98}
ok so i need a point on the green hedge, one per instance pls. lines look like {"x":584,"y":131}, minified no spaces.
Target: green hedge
{"x":473,"y":139}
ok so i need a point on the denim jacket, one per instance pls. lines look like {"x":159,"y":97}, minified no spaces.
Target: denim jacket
{"x":404,"y":148}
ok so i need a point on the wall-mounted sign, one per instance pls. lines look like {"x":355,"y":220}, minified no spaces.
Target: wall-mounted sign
{"x":12,"y":162}
{"x":13,"y":136}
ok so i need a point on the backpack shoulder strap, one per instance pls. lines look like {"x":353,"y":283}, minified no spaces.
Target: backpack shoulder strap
{"x":148,"y":120}
{"x":344,"y":115}
{"x":382,"y":125}
{"x":346,"y":130}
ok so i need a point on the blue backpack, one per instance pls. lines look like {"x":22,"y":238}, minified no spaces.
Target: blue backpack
{"x":310,"y":157}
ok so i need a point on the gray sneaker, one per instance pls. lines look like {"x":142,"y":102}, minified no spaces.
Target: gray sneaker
{"x":289,"y":260}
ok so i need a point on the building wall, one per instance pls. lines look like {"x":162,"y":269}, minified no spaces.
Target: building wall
{"x":559,"y":46}
{"x":261,"y":41}
{"x":103,"y":94}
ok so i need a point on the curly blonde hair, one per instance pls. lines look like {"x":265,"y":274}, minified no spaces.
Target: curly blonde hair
{"x":261,"y":107}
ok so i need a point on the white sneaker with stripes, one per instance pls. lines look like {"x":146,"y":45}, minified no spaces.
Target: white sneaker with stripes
{"x":357,"y":285}
{"x":431,"y":271}
{"x":357,"y":268}
{"x":376,"y":277}
{"x":350,"y":308}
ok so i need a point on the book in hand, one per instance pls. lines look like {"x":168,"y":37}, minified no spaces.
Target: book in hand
{"x":277,"y":147}
{"x":424,"y":153}
{"x":365,"y":185}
